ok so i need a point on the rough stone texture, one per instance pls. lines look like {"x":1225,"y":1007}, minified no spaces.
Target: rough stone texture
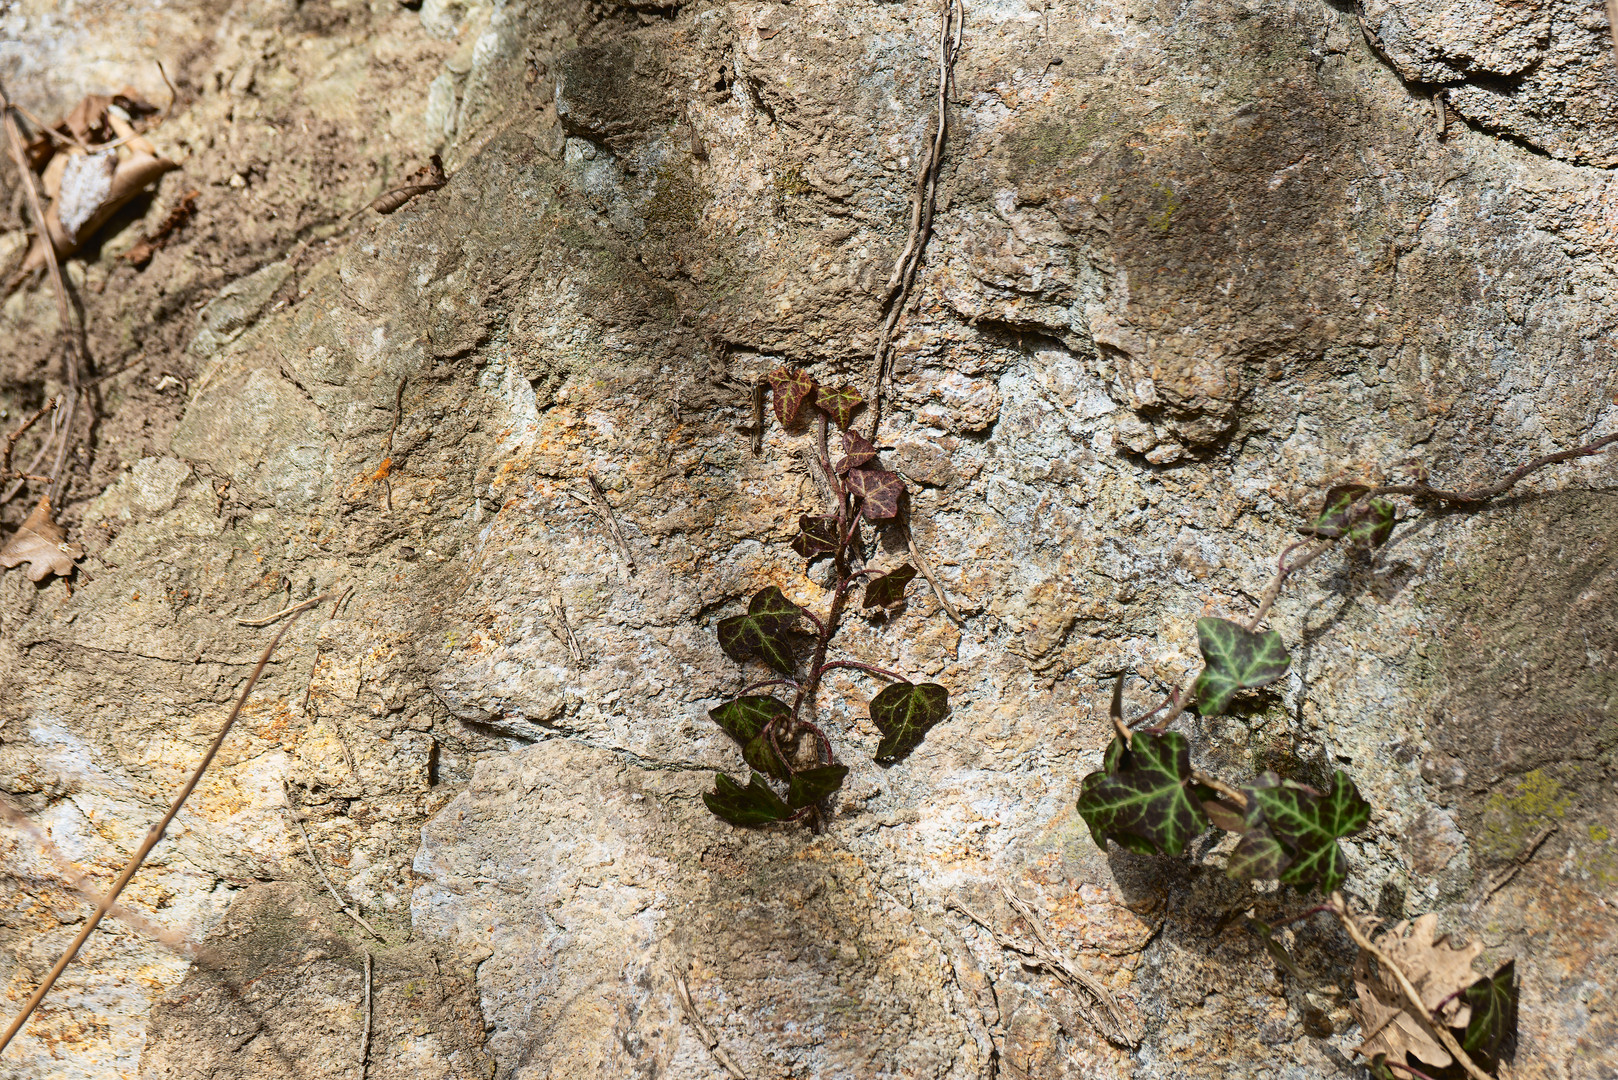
{"x":1192,"y":264}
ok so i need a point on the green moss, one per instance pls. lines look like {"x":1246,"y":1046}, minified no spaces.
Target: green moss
{"x":1509,"y":821}
{"x":791,"y":182}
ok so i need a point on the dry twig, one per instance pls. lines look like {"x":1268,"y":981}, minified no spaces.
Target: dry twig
{"x":152,"y":837}
{"x":1503,"y":878}
{"x":604,"y":510}
{"x":365,"y":1033}
{"x":704,"y":1032}
{"x":347,"y":909}
{"x":927,"y":571}
{"x":1107,"y":1017}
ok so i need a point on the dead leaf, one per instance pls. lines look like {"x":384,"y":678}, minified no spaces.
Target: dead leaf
{"x":429,"y":177}
{"x":1437,"y":969}
{"x":42,"y":544}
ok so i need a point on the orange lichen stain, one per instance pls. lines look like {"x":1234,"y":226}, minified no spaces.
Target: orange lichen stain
{"x":382,"y":470}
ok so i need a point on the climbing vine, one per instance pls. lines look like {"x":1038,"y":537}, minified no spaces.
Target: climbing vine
{"x":779,"y":742}
{"x":1421,"y":998}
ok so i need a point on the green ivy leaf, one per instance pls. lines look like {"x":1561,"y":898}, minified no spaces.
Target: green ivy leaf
{"x":1237,"y":659}
{"x":1380,"y":1069}
{"x":762,"y":633}
{"x":744,"y":719}
{"x":889,"y":589}
{"x":1494,"y":1013}
{"x":1258,"y":855}
{"x":1372,"y":524}
{"x":879,"y":492}
{"x":857,"y":451}
{"x":791,"y":389}
{"x":840,"y":405}
{"x":903,"y":713}
{"x":1334,"y":515}
{"x":817,"y":535}
{"x":747,"y":806}
{"x":812,"y":785}
{"x":1148,"y":798}
{"x":1310,"y":826}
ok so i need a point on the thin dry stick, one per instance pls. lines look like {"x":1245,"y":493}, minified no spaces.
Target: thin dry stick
{"x":921,"y":211}
{"x":86,"y":888}
{"x":365,"y":1033}
{"x":314,"y":861}
{"x":283,"y":613}
{"x":152,"y":837}
{"x":704,"y":1032}
{"x":1339,"y":907}
{"x":64,"y":314}
{"x":11,"y":440}
{"x":1502,"y":879}
{"x":604,"y":510}
{"x":927,"y":572}
{"x":1042,"y":954}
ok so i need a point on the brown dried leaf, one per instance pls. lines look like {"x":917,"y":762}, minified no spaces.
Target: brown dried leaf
{"x":1437,"y":969}
{"x":42,"y":544}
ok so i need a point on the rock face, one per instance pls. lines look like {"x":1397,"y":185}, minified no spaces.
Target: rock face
{"x":1190,"y":266}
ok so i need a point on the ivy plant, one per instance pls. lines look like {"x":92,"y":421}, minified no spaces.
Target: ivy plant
{"x":792,"y":765}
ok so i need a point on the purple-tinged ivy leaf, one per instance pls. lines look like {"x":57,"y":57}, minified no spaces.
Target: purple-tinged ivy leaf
{"x":748,"y":806}
{"x":744,"y":719}
{"x":889,"y":589}
{"x":903,"y":713}
{"x":817,"y":535}
{"x":857,"y":451}
{"x":1334,"y":515}
{"x":879,"y":492}
{"x":840,"y":405}
{"x":1372,"y":524}
{"x":791,"y":389}
{"x":812,"y":785}
{"x":761,"y":634}
{"x":1493,"y":1023}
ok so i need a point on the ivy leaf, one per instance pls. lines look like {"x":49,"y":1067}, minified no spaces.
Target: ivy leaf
{"x":857,"y":451}
{"x":1372,"y":524}
{"x":840,"y":405}
{"x":1148,"y":799}
{"x":1237,"y":659}
{"x":879,"y":492}
{"x":747,"y":806}
{"x":1334,"y":515}
{"x":1310,"y":825}
{"x":744,"y":719}
{"x":1258,"y":855}
{"x":889,"y":589}
{"x":1494,"y":1012}
{"x":1222,"y":814}
{"x":812,"y":785}
{"x":762,"y":632}
{"x":1380,"y":1070}
{"x":817,"y":535}
{"x":903,"y":713}
{"x":791,"y":389}
{"x":1277,"y":951}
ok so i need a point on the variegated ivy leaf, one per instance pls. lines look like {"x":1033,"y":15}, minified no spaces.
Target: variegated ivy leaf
{"x":1372,"y":524}
{"x":762,"y":634}
{"x":1237,"y":658}
{"x":744,"y":719}
{"x":1310,"y":825}
{"x":817,"y":535}
{"x":1146,"y":804}
{"x":879,"y":492}
{"x":1334,"y":515}
{"x":748,"y":806}
{"x":1493,"y":1023}
{"x":790,"y":390}
{"x":904,"y":712}
{"x":889,"y":589}
{"x":840,"y":405}
{"x":857,"y":451}
{"x":812,"y":785}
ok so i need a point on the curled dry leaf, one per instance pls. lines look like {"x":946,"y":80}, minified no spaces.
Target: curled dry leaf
{"x":1438,"y":970}
{"x":85,"y":190}
{"x":42,"y":544}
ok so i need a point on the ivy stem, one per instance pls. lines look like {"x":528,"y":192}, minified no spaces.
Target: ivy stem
{"x":1411,"y":1069}
{"x":1422,"y":490}
{"x":1316,"y":910}
{"x":1284,"y":570}
{"x":819,"y":626}
{"x":869,"y":669}
{"x":1224,"y":789}
{"x":1339,"y":907}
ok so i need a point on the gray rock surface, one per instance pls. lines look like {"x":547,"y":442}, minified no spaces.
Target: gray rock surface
{"x":1191,"y":265}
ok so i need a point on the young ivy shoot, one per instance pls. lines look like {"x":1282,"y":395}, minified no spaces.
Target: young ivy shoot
{"x":782,"y":747}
